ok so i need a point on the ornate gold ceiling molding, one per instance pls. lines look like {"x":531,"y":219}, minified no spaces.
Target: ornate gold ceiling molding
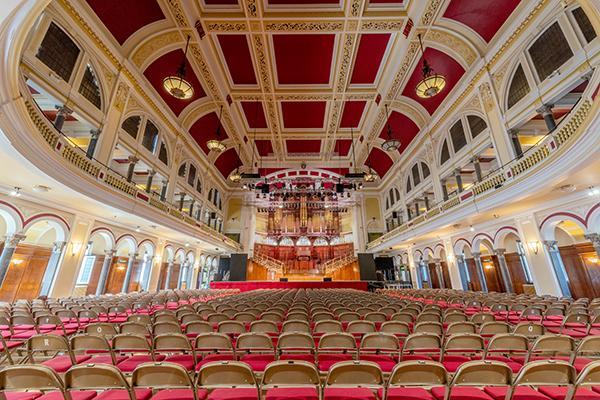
{"x":205,"y":72}
{"x":355,"y":8}
{"x":177,"y":11}
{"x":382,"y":25}
{"x":121,"y":96}
{"x":304,"y":26}
{"x":410,"y":111}
{"x":430,"y":11}
{"x":452,"y":43}
{"x":334,"y":117}
{"x":251,"y":8}
{"x":154,"y":44}
{"x":198,"y":112}
{"x":345,"y":61}
{"x":222,"y":26}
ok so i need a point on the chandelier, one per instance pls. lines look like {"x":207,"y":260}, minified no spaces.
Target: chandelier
{"x":390,"y":143}
{"x":432,"y":83}
{"x":370,"y":176}
{"x":235,"y":176}
{"x":176,"y":84}
{"x":216,"y":144}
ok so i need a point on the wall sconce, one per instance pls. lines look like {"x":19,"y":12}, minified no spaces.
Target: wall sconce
{"x":75,"y":247}
{"x":450,"y":259}
{"x":594,"y":260}
{"x":17,"y":262}
{"x":534,"y":246}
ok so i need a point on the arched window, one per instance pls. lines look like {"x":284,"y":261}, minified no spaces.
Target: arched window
{"x":519,"y":87}
{"x":397,"y":194}
{"x":408,"y":185}
{"x":550,"y":51}
{"x":150,"y":136}
{"x":132,"y":125}
{"x":58,"y":52}
{"x":457,"y":135}
{"x":162,"y":154}
{"x":392,"y":199}
{"x":181,"y":171}
{"x":425,"y":170}
{"x":89,"y":87}
{"x":191,"y":178}
{"x":199,"y":186}
{"x":445,"y":156}
{"x":584,"y":24}
{"x":476,"y":125}
{"x":387,"y":203}
{"x":415,"y":174}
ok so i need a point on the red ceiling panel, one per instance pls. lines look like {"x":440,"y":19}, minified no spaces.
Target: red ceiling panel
{"x":227,"y":162}
{"x":269,"y":171}
{"x":443,"y":64}
{"x":379,"y":161}
{"x":342,"y":146}
{"x":237,"y":56}
{"x":303,"y":114}
{"x":264,"y":147}
{"x":303,"y":146}
{"x":303,"y":59}
{"x":371,"y":50}
{"x":205,"y":129}
{"x":124,"y":18}
{"x":167,"y":65}
{"x":352,"y":114}
{"x":403,"y":128}
{"x":484,"y":17}
{"x":255,"y":114}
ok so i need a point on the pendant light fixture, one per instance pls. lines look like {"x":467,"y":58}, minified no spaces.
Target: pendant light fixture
{"x":432,"y":83}
{"x":236,"y":176}
{"x":176,"y":84}
{"x":216,"y":144}
{"x":390,"y":143}
{"x":355,"y":174}
{"x":370,"y":175}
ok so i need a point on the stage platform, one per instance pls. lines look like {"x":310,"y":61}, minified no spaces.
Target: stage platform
{"x":245,"y":286}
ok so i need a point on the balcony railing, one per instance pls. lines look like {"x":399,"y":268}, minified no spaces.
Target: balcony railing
{"x":506,"y":174}
{"x":75,"y":156}
{"x":336,"y":264}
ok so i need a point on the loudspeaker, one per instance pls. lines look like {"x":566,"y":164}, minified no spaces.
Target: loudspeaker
{"x":366,"y":263}
{"x":283,"y":279}
{"x":394,"y":214}
{"x":264,"y":189}
{"x":327,"y":279}
{"x":339,"y":188}
{"x":237,"y":267}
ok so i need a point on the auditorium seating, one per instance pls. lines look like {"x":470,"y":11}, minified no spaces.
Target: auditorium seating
{"x":302,"y":344}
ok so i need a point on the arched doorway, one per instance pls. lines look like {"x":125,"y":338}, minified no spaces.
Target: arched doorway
{"x":201,"y":272}
{"x":140,"y":277}
{"x":487,"y":266}
{"x":98,"y":248}
{"x":510,"y":247}
{"x":178,"y":265}
{"x":165,"y":267}
{"x":443,"y":260}
{"x":123,"y":259}
{"x":34,"y":263}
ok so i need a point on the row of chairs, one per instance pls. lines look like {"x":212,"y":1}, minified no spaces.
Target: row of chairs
{"x":410,"y":380}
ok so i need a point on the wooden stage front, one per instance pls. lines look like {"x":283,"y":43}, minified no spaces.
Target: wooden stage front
{"x":245,"y":286}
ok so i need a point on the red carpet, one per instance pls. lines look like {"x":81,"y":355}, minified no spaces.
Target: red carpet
{"x":253,"y":285}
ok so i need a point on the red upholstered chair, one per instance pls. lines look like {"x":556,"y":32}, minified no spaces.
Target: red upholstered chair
{"x":435,"y":328}
{"x":507,"y":348}
{"x":403,"y":316}
{"x":473,"y":378}
{"x":164,"y":327}
{"x":106,"y":379}
{"x":177,"y":349}
{"x":291,"y":379}
{"x":95,"y":345}
{"x":104,"y":329}
{"x":334,"y":348}
{"x":489,"y":329}
{"x":137,"y":349}
{"x":396,"y":328}
{"x":555,"y":376}
{"x":255,"y":349}
{"x":348,"y":380}
{"x":264,"y":326}
{"x":586,"y":352}
{"x":413,"y":380}
{"x":53,"y":324}
{"x":422,"y":346}
{"x":557,"y":347}
{"x":295,"y":325}
{"x":296,"y":346}
{"x":228,"y":380}
{"x":134,"y":328}
{"x":380,"y":348}
{"x":455,"y":328}
{"x":212,"y":347}
{"x":28,"y":382}
{"x":167,"y":381}
{"x":460,"y":349}
{"x":195,"y":328}
{"x":587,"y":385}
{"x":62,"y":357}
{"x":531,"y":330}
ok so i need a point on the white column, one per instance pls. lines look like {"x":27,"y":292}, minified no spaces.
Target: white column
{"x":480,"y":273}
{"x":169,"y":271}
{"x":455,"y":280}
{"x":504,"y":271}
{"x":10,"y":244}
{"x":127,"y":280}
{"x":414,"y":276}
{"x":52,"y":267}
{"x":108,"y":258}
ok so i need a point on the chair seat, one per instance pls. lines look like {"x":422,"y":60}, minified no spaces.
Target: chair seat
{"x":234,"y":394}
{"x":560,"y":393}
{"x":385,"y":362}
{"x":22,"y":395}
{"x":179,"y":394}
{"x":23,"y":334}
{"x":63,"y":363}
{"x":185,"y":360}
{"x":407,"y":393}
{"x":75,"y":395}
{"x":258,"y":362}
{"x":292,"y":393}
{"x":460,"y":393}
{"x":520,"y":393}
{"x":327,"y":360}
{"x":581,"y":362}
{"x":348,"y":394}
{"x":514,"y":366}
{"x":214,"y":357}
{"x":10,"y":345}
{"x":122,"y":394}
{"x":130,"y":363}
{"x":298,"y":357}
{"x":106,"y":359}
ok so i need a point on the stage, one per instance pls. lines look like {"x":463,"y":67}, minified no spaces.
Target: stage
{"x":245,"y":286}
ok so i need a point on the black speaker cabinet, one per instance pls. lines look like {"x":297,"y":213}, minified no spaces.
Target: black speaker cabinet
{"x":237,"y":267}
{"x":327,"y":279}
{"x":283,"y":279}
{"x":366,"y":263}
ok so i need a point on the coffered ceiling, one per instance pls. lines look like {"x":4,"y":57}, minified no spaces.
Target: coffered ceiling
{"x":298,"y":75}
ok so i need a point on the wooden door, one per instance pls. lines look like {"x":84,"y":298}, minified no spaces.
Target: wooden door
{"x":475,"y":283}
{"x":25,"y":273}
{"x":446,"y":275}
{"x":433,"y":275}
{"x":491,"y":271}
{"x":116,"y":275}
{"x":582,"y":273}
{"x":173,"y":279}
{"x":95,"y":276}
{"x":136,"y":276}
{"x":162,"y":275}
{"x":517,"y":273}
